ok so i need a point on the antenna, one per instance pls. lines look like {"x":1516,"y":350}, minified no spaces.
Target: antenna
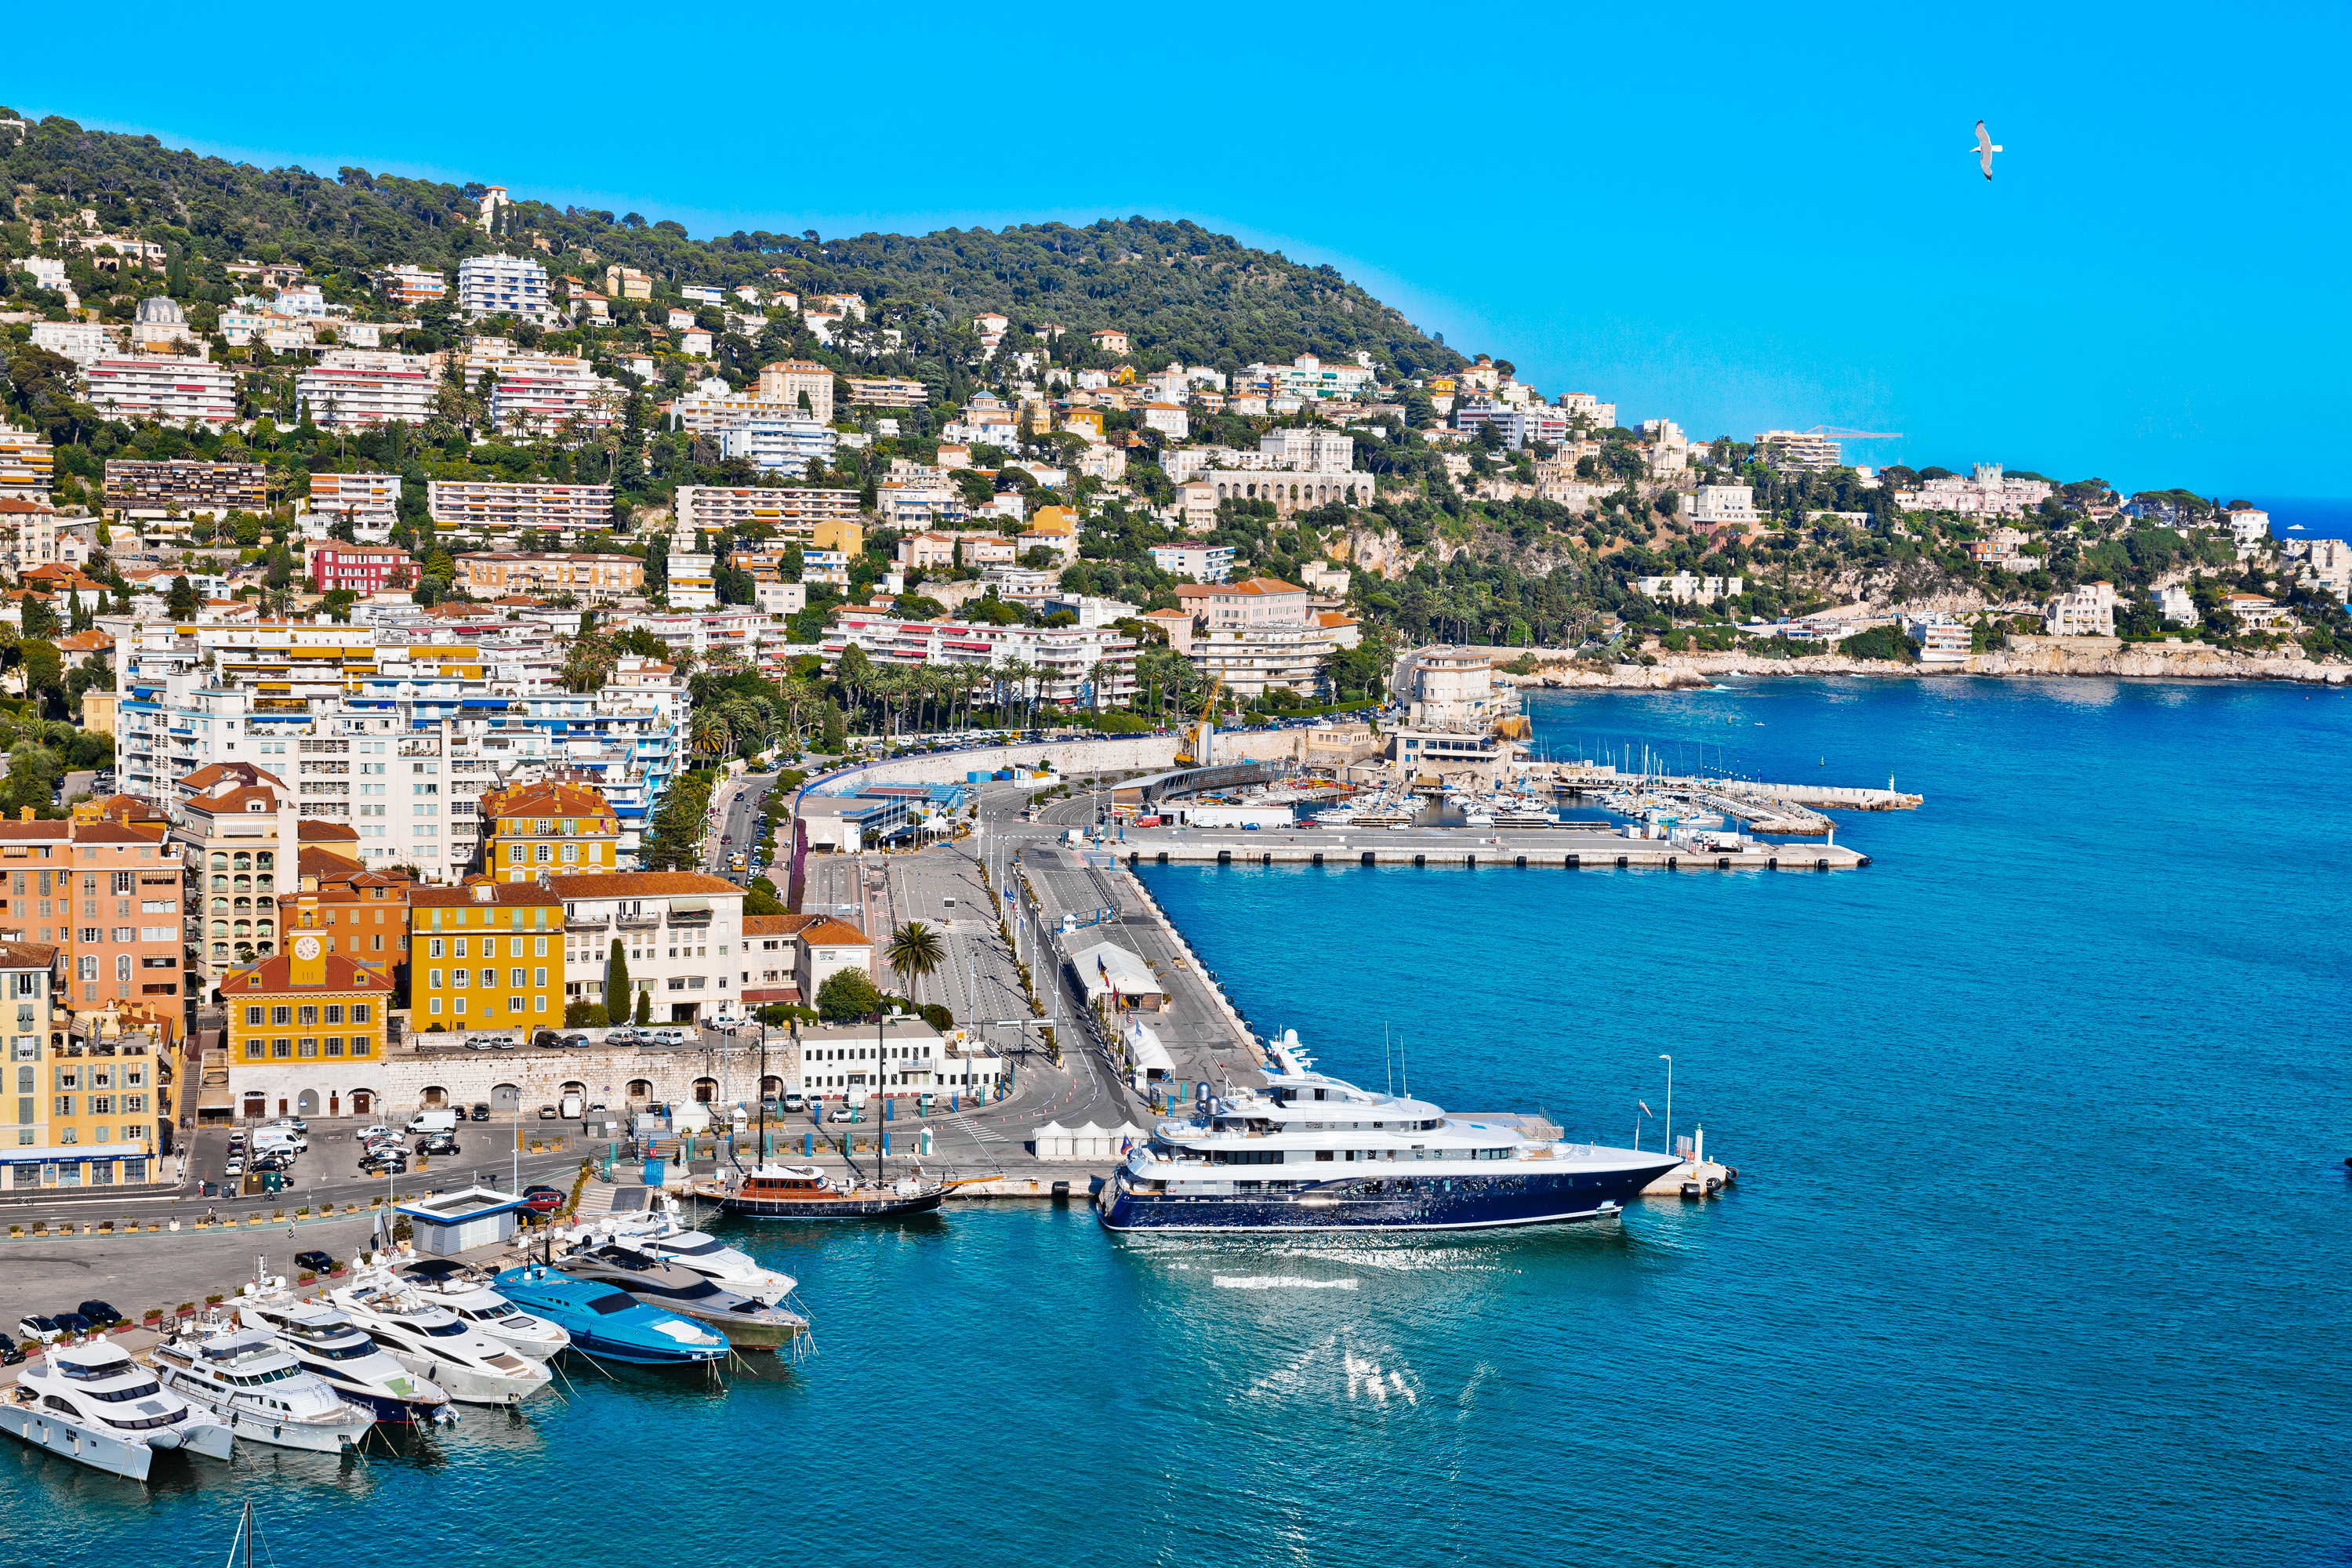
{"x":1403,"y":1075}
{"x":1386,"y":1067}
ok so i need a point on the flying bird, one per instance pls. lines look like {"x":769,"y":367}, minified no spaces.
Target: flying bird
{"x":1986,"y":148}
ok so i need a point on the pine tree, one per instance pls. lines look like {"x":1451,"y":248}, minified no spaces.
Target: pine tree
{"x":645,"y":1007}
{"x":616,"y":981}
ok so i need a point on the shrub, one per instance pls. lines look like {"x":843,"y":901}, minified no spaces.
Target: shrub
{"x":213,"y":1300}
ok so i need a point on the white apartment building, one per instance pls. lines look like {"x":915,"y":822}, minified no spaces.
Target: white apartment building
{"x":914,"y":503}
{"x":1517,"y":427}
{"x":781,"y":509}
{"x":1308,"y":451}
{"x":681,"y":931}
{"x":1984,"y":493}
{"x":1716,"y":506}
{"x":1942,"y":639}
{"x":361,"y":386}
{"x":827,"y":566}
{"x":1256,"y":660}
{"x":412,"y":285}
{"x":27,"y":465}
{"x":2327,"y":561}
{"x":84,"y":342}
{"x":1684,"y":588}
{"x":2174,"y":604}
{"x":778,"y":446}
{"x":1202,"y":563}
{"x":1307,"y":378}
{"x":1583,"y":406}
{"x":2086,"y":612}
{"x":1799,"y":451}
{"x":370,"y":501}
{"x":503,"y":285}
{"x":1070,"y":666}
{"x":165,"y":388}
{"x":542,"y":393}
{"x":690,"y":585}
{"x":501,"y":507}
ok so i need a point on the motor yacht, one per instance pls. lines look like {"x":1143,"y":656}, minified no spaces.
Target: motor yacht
{"x":608,"y":1324}
{"x":251,"y":1382}
{"x":1311,"y":1151}
{"x":465,"y":1291}
{"x":327,"y":1342}
{"x":747,"y":1324}
{"x":664,"y":1240}
{"x":430,"y":1340}
{"x":95,"y":1406}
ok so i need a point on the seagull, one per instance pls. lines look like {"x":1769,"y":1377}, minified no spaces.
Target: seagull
{"x":1986,"y":148}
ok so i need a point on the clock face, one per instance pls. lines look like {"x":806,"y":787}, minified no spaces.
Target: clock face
{"x":306,"y":948}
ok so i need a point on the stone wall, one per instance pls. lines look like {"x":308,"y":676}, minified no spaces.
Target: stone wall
{"x":399,"y":1082}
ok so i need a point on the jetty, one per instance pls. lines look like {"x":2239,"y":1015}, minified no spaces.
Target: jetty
{"x":1555,"y":848}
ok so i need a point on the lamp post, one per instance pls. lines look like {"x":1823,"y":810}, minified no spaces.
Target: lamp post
{"x":1669,"y":1099}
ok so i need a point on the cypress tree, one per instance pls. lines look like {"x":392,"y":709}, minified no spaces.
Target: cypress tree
{"x":616,"y":984}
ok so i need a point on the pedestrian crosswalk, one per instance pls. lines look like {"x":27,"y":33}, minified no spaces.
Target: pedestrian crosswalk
{"x":975,"y":1132}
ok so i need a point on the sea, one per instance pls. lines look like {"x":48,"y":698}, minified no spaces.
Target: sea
{"x":2038,"y":1253}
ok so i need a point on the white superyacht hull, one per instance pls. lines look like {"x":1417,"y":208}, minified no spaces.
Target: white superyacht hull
{"x":128,"y":1457}
{"x":469,"y":1385}
{"x":310,"y":1436}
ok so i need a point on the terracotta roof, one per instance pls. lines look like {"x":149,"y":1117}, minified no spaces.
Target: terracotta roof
{"x":237,"y":802}
{"x":343,"y":973}
{"x":204,"y":778}
{"x":16,"y":504}
{"x":1261,"y":586}
{"x":831,"y":932}
{"x":545,"y":797}
{"x":332,"y":832}
{"x":775,"y":925}
{"x":26,"y":955}
{"x":525,"y":893}
{"x":639,"y":884}
{"x":322,"y":863}
{"x":110,"y":833}
{"x":84,"y":642}
{"x":128,"y":808}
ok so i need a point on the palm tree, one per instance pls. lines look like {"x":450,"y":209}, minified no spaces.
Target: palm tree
{"x":915,"y":951}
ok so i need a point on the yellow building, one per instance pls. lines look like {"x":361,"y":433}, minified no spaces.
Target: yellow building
{"x":306,"y":1028}
{"x":488,"y":956}
{"x":1087,"y":421}
{"x":548,"y":826}
{"x":839,"y":533}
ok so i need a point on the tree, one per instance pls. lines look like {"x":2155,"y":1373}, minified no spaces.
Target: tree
{"x":182,"y":605}
{"x":32,"y":781}
{"x":847,"y":997}
{"x":645,"y":1007}
{"x":915,"y":951}
{"x":616,"y":977}
{"x":45,"y":670}
{"x":40,"y":620}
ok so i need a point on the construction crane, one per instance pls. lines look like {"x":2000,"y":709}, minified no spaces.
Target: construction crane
{"x":1196,"y":739}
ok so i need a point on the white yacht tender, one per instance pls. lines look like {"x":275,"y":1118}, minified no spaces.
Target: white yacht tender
{"x":254,"y":1384}
{"x":95,"y":1406}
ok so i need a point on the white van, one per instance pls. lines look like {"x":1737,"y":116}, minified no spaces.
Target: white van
{"x":571,"y":1108}
{"x":280,"y":1138}
{"x":434,"y":1122}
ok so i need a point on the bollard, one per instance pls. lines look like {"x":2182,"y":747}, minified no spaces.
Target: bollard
{"x":955,"y":1100}
{"x":808,"y":1144}
{"x":888,"y":1106}
{"x":886,"y":1143}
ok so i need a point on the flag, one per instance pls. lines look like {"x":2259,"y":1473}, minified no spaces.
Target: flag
{"x":1645,"y":1107}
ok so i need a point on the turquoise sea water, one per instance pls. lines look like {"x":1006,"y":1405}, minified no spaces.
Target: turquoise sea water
{"x":2038,"y":1255}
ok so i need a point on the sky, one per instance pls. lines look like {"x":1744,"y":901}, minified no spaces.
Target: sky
{"x":1736,"y":218}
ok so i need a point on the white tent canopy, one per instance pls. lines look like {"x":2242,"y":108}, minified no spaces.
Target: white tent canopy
{"x":1107,"y":968}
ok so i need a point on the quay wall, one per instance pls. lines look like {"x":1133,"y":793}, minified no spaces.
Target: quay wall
{"x":399,"y":1081}
{"x":1594,"y":854}
{"x":1118,"y":753}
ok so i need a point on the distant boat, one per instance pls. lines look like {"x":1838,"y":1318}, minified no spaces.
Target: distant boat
{"x":2294,"y":528}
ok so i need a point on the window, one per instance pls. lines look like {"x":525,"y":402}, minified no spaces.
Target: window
{"x":514,"y":1004}
{"x":334,"y":1044}
{"x":89,"y":963}
{"x":433,"y":982}
{"x":539,"y":978}
{"x":309,"y":1016}
{"x":538,"y":950}
{"x":514,"y":855}
{"x":310,"y":1046}
{"x":360,"y":1047}
{"x":253,"y":1051}
{"x":281,"y":1015}
{"x":122,"y":884}
{"x":253,"y":1014}
{"x":123,"y":968}
{"x":433,"y":1007}
{"x":516,"y":979}
{"x":334,"y":1014}
{"x":358,"y":1012}
{"x":65,"y":1105}
{"x":460,"y":952}
{"x":436,"y":948}
{"x":281,"y":1049}
{"x":101,"y":1105}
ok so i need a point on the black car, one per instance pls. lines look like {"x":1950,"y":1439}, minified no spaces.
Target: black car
{"x":72,"y":1324}
{"x":481,"y":1110}
{"x":11,"y":1352}
{"x":101,"y":1312}
{"x":438,"y":1146}
{"x":279,"y":1163}
{"x":316,"y":1262}
{"x":377,"y":1165}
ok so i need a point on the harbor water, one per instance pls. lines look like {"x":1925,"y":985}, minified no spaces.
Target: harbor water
{"x":2038,"y":1252}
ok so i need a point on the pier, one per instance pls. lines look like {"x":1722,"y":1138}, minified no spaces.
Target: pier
{"x":1527,"y":848}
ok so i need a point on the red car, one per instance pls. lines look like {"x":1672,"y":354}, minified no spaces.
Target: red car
{"x":542,"y":1199}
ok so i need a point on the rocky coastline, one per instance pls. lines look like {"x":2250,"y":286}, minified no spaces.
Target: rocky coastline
{"x":2026,"y":657}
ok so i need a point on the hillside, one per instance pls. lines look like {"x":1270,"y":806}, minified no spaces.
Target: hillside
{"x":1178,"y":290}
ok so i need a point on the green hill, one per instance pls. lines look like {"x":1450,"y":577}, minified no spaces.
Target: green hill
{"x":1178,"y":291}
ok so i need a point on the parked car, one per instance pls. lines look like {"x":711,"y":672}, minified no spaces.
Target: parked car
{"x":234,"y":1166}
{"x":296,"y":1122}
{"x":316,"y":1262}
{"x":620,"y":1036}
{"x":37,"y":1330}
{"x":575,"y":1042}
{"x":542,"y":1199}
{"x":547,"y":1114}
{"x":481,"y":1110}
{"x":276,"y":1160}
{"x":503,"y":1042}
{"x":378,"y":1130}
{"x":11,"y":1352}
{"x":841,"y":1113}
{"x":99,"y":1312}
{"x":793,"y":1101}
{"x":376,"y":1164}
{"x":441,"y":1144}
{"x":72,"y":1325}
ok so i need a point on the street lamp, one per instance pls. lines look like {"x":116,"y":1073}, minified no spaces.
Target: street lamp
{"x":1669,"y":1099}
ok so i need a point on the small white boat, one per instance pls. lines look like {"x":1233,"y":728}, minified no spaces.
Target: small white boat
{"x":468,"y":1296}
{"x":249,"y":1380}
{"x":95,"y":1406}
{"x":432,"y":1342}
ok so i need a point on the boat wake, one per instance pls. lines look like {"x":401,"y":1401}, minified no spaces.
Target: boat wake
{"x":1277,"y":1282}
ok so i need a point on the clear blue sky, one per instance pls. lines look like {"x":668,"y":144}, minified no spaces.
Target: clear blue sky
{"x":1737,"y":218}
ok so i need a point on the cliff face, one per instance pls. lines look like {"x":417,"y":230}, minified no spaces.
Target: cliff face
{"x":2032,"y":657}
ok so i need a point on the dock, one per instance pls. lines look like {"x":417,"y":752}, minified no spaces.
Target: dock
{"x":1527,"y":848}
